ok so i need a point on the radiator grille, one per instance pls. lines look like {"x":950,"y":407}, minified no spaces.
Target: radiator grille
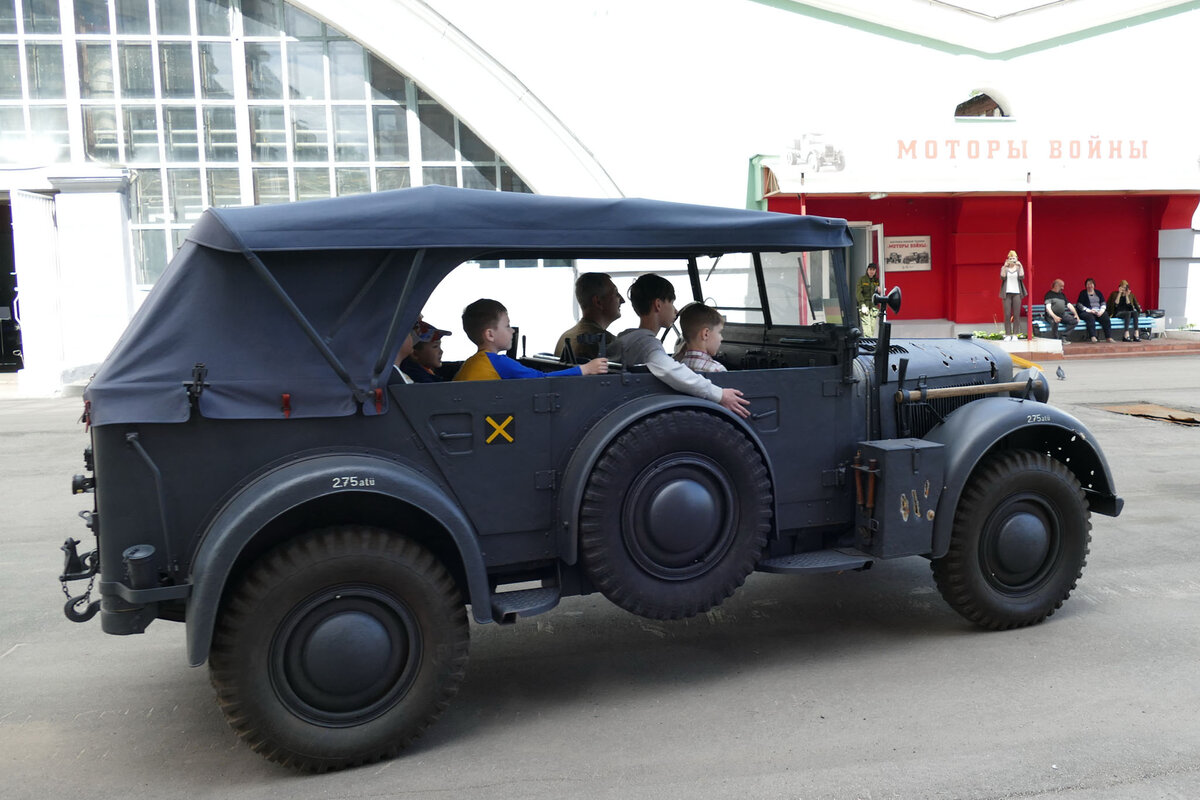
{"x":921,"y":417}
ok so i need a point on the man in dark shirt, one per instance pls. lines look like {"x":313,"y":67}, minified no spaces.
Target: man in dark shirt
{"x":599,"y":306}
{"x":1060,"y":313}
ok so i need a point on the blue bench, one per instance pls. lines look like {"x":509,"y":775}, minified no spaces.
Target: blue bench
{"x":1041,"y":327}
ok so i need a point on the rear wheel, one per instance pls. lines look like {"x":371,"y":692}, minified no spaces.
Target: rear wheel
{"x":339,"y":648}
{"x":675,"y":515}
{"x":1019,"y":543}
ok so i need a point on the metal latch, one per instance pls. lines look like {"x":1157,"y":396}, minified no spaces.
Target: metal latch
{"x":198,"y":383}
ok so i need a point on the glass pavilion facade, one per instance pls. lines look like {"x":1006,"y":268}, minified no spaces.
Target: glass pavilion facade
{"x":217,"y":103}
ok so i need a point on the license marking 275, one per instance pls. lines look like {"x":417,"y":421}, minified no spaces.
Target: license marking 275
{"x":347,"y":481}
{"x":1037,"y":418}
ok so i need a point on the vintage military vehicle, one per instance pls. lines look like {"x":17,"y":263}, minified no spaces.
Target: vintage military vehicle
{"x":321,"y":530}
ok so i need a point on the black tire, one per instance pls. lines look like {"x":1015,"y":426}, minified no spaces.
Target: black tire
{"x":675,"y":515}
{"x":1019,"y":544}
{"x":339,"y":648}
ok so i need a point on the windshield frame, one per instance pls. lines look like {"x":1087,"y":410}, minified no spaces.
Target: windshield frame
{"x":772,"y":311}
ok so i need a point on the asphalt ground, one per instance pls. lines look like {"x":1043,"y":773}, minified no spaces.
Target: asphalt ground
{"x":864,"y":685}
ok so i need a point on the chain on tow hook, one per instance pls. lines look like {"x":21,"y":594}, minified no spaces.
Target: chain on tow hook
{"x":76,"y":567}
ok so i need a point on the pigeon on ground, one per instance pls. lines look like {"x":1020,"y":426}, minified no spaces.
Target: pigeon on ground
{"x":1062,"y":376}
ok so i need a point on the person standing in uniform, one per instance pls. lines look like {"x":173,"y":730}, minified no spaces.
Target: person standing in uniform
{"x":868,"y":285}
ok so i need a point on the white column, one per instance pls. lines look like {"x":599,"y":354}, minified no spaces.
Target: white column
{"x":95,"y":268}
{"x":1179,"y":276}
{"x":74,"y":279}
{"x":35,"y":256}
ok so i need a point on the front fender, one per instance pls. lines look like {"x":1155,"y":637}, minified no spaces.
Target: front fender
{"x":992,"y":423}
{"x":295,"y":483}
{"x":588,"y":451}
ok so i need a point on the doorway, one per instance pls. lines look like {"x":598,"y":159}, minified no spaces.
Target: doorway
{"x":867,"y":249}
{"x":10,"y":328}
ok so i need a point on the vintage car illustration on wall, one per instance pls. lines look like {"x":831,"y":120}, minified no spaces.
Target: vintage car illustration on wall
{"x":815,"y":153}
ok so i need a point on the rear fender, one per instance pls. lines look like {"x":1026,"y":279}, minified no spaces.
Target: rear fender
{"x":598,"y":437}
{"x":298,"y":482}
{"x":995,"y":423}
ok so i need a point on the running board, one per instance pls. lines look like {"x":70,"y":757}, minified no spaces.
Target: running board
{"x":508,"y":606}
{"x":817,"y":561}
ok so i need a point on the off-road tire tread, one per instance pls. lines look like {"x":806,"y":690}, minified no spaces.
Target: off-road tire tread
{"x":950,"y":571}
{"x":318,"y":547}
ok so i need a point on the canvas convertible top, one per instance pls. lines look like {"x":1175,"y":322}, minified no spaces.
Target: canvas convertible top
{"x":296,"y":310}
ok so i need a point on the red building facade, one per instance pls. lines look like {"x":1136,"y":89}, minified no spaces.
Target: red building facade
{"x":1105,"y":236}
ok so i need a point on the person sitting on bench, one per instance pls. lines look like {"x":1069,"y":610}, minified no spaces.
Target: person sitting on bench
{"x":1093,"y":310}
{"x":1124,"y":306}
{"x":1060,"y":313}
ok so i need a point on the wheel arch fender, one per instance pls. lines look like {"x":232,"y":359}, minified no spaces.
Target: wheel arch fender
{"x":983,"y":426}
{"x":589,"y":449}
{"x":265,"y":499}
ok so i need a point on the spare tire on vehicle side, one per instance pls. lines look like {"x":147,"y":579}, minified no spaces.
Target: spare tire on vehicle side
{"x":675,"y":514}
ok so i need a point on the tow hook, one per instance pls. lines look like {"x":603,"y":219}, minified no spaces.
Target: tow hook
{"x":76,"y":568}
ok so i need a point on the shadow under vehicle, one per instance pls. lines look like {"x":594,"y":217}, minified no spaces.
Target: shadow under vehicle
{"x":322,"y":530}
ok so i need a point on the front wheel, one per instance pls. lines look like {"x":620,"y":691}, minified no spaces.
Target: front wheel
{"x":339,"y":648}
{"x":1019,"y":543}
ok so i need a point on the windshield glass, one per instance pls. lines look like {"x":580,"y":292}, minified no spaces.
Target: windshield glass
{"x":727,"y":283}
{"x":801,"y":289}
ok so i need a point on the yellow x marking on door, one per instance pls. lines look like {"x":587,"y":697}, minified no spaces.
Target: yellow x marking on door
{"x":499,"y":428}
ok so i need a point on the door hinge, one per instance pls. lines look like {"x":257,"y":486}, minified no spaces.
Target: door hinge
{"x":546,"y":403}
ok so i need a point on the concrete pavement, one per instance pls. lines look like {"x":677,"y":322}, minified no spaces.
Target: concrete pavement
{"x":863,"y":685}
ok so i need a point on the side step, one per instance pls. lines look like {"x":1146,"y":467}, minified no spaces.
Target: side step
{"x":839,"y":560}
{"x":507,"y":606}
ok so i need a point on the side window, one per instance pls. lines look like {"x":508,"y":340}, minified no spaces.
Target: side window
{"x":728,"y":283}
{"x":801,"y":288}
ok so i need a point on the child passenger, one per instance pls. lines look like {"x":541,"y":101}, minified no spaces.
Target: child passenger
{"x":701,"y":326}
{"x":653,"y":300}
{"x":486,"y":324}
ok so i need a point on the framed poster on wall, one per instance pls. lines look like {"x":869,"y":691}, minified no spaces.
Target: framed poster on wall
{"x":906,"y":254}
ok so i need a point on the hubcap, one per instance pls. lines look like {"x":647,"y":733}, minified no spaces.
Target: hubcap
{"x":345,"y":656}
{"x":679,"y":517}
{"x":1020,"y":544}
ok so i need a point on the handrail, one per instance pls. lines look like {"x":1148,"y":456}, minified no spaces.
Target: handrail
{"x":918,"y":395}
